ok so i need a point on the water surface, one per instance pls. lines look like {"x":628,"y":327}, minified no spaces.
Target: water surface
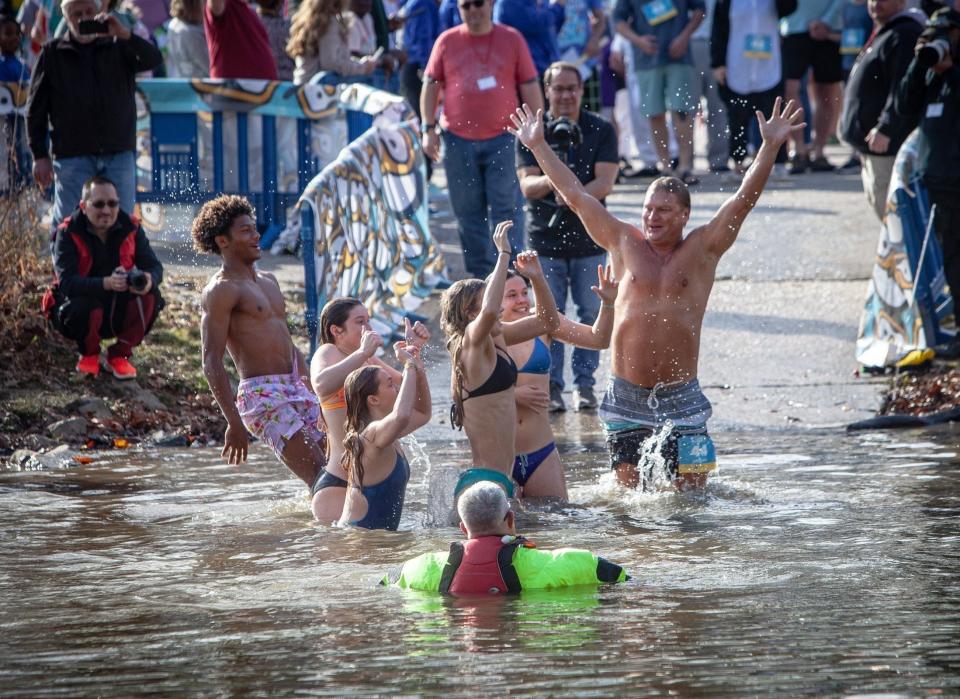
{"x":816,"y":563}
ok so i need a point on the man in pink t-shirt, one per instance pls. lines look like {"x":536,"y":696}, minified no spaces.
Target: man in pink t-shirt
{"x":479,"y":67}
{"x":238,"y":41}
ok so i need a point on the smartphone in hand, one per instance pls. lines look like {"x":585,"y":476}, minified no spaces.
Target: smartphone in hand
{"x":93,"y":26}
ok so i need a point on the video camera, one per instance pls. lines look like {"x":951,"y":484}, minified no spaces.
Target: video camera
{"x":561,"y":134}
{"x":937,"y":35}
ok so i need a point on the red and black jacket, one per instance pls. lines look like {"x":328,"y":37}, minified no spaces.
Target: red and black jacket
{"x":81,"y":259}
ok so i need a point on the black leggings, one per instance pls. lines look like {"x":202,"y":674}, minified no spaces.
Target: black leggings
{"x":741,"y":111}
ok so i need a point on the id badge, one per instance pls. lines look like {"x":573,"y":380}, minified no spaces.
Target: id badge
{"x":659,"y":11}
{"x":758,"y":46}
{"x":487,"y":82}
{"x":696,"y":454}
{"x":852,"y":40}
{"x":935,"y":110}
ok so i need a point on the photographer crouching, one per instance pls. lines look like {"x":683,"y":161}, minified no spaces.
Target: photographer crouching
{"x":930,"y":93}
{"x":587,"y":144}
{"x":106,"y":281}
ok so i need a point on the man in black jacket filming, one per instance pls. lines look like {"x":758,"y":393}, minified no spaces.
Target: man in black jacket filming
{"x":82,"y":98}
{"x":930,"y":92}
{"x":106,"y":281}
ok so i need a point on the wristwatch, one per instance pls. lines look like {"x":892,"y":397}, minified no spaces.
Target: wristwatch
{"x":425,"y":127}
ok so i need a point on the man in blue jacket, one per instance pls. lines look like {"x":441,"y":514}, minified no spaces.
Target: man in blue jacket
{"x":539,"y":23}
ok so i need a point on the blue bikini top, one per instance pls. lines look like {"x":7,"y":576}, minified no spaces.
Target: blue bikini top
{"x":539,"y":360}
{"x":385,"y":499}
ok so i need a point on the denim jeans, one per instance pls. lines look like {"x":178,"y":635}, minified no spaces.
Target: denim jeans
{"x":483,"y":187}
{"x":576,"y":274}
{"x":71,"y":173}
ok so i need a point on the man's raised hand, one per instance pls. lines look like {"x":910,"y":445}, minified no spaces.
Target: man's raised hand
{"x":527,"y":126}
{"x":782,"y":122}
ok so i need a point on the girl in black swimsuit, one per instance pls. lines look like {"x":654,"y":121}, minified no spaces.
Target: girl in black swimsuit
{"x":477,"y":342}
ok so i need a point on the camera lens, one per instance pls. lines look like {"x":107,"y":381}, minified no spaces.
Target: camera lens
{"x":137,"y":279}
{"x":933,"y":52}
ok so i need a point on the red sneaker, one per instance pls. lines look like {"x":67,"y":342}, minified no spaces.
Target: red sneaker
{"x":89,"y":364}
{"x":120,"y":368}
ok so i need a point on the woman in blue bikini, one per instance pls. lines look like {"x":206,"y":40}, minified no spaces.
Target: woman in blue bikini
{"x":483,"y":374}
{"x":537,"y":468}
{"x":379,"y":413}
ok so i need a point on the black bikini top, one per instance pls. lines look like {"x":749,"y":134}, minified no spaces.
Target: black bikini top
{"x":503,"y":377}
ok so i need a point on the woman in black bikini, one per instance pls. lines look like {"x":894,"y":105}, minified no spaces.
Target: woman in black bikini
{"x":477,"y":342}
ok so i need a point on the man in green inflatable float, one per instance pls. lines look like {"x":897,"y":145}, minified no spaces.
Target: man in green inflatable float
{"x":494,"y":559}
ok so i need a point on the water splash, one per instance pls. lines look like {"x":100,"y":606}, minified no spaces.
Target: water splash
{"x":651,"y":464}
{"x":441,"y":479}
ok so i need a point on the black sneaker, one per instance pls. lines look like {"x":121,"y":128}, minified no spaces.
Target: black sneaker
{"x":556,"y":399}
{"x":853,"y":163}
{"x":798,"y":164}
{"x":584,"y":399}
{"x":821,"y":164}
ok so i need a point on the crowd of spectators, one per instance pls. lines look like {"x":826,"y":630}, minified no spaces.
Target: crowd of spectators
{"x":676,"y":57}
{"x":465,"y":65}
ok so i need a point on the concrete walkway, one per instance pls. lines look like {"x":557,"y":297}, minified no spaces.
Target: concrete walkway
{"x":778,"y":340}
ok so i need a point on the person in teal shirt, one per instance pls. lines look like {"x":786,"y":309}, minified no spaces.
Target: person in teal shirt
{"x":809,"y":41}
{"x":494,"y":559}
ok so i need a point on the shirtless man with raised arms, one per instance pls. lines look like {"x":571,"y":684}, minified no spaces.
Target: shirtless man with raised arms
{"x":665,"y":281}
{"x":244,"y":313}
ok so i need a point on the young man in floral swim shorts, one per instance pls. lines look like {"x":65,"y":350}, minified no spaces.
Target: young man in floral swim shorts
{"x":244,"y":313}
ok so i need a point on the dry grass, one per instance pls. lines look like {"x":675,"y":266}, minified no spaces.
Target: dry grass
{"x":27,"y":269}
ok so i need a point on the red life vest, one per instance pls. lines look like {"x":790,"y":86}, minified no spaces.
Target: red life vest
{"x":480,"y":566}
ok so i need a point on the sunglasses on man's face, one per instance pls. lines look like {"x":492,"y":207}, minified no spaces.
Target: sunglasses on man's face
{"x":100,"y":203}
{"x":477,"y":4}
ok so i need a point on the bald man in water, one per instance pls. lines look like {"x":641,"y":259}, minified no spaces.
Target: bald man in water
{"x":665,"y":282}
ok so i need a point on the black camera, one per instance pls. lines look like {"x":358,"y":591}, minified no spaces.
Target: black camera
{"x":137,"y":280}
{"x":561,"y":135}
{"x":937,"y":35}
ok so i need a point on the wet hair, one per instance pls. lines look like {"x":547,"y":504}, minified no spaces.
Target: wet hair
{"x":335,"y":312}
{"x":215,"y":218}
{"x":674,"y":186}
{"x":483,"y":507}
{"x":558,"y":67}
{"x":310,"y":22}
{"x":93,"y":182}
{"x":360,"y":384}
{"x":456,"y":305}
